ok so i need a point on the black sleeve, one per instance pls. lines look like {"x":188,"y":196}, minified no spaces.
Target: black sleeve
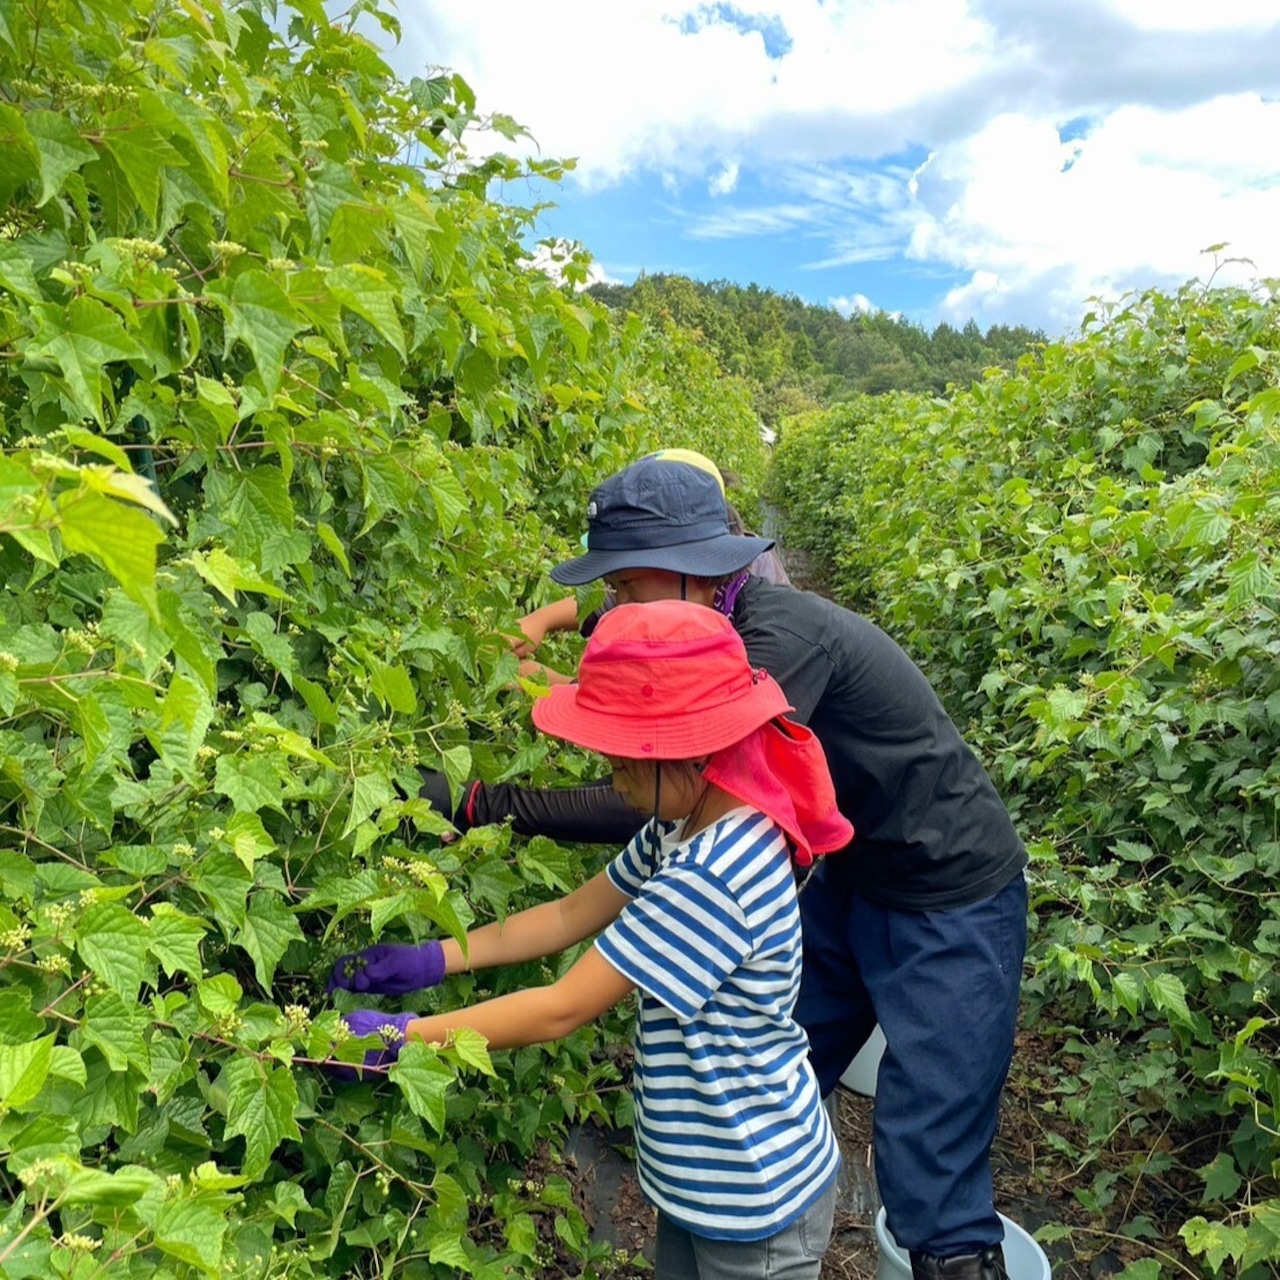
{"x":593,"y":814}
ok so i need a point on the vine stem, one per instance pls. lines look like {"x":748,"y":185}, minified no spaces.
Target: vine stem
{"x":39,"y":1214}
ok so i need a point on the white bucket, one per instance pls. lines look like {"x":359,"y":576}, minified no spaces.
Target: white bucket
{"x":860,"y":1075}
{"x":1024,"y":1259}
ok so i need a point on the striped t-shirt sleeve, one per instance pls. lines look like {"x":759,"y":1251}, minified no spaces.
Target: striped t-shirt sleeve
{"x":629,"y":872}
{"x":678,"y":940}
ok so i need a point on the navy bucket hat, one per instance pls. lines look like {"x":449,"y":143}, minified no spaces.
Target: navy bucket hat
{"x":659,"y":514}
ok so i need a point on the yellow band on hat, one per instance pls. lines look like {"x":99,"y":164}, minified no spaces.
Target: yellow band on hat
{"x":693,"y":458}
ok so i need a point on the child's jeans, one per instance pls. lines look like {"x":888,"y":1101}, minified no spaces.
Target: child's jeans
{"x":795,"y":1253}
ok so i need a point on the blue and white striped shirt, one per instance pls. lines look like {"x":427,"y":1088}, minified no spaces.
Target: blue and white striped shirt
{"x":732,"y":1139}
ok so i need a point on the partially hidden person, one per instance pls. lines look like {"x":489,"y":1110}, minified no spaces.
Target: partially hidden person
{"x":699,"y":915}
{"x":919,"y":925}
{"x":562,"y":614}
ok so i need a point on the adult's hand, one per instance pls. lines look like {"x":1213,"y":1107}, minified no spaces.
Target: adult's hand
{"x":389,"y":968}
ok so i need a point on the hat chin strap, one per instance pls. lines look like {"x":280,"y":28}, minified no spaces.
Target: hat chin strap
{"x":655,"y":841}
{"x":684,"y":586}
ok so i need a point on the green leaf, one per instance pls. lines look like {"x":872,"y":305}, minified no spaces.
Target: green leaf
{"x":175,"y":940}
{"x":225,"y":573}
{"x":261,"y":1100}
{"x":44,"y":1138}
{"x":1128,"y":990}
{"x":334,"y":543}
{"x":1146,"y":1269}
{"x":1205,"y":527}
{"x":250,"y":782}
{"x":1169,"y":996}
{"x":192,"y":1232}
{"x":393,"y":687}
{"x":23,"y":1071}
{"x":450,"y":500}
{"x":113,"y":943}
{"x":424,"y":1081}
{"x":366,"y":291}
{"x":456,"y":763}
{"x":220,"y":995}
{"x":185,"y":716}
{"x":522,"y":1234}
{"x":546,"y":861}
{"x":268,"y":929}
{"x":18,"y":1022}
{"x":1214,"y":1241}
{"x":17,"y":272}
{"x":118,"y":1029}
{"x":121,"y":538}
{"x":248,"y":838}
{"x":81,"y":339}
{"x":62,"y":150}
{"x":369,"y":793}
{"x":1221,"y":1179}
{"x":116,"y":1190}
{"x":224,"y":883}
{"x":472,"y":1048}
{"x":494,"y":882}
{"x":259,"y":314}
{"x":142,"y":153}
{"x":90,"y":441}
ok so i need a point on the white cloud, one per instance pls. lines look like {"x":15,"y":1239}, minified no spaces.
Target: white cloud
{"x":623,"y":87}
{"x":825,"y":107}
{"x":568,"y":263}
{"x":1040,"y":224}
{"x":1194,"y":15}
{"x":723,"y":183}
{"x":858,"y":302}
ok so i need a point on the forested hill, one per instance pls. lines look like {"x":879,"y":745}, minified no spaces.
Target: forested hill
{"x":799,"y":356}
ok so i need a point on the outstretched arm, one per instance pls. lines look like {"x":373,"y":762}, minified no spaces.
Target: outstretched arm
{"x":538,"y":1013}
{"x":561,"y":615}
{"x":544,"y":930}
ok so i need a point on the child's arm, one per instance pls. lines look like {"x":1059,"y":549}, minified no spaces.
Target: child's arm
{"x":561,"y":615}
{"x":537,"y":1013}
{"x":532,"y":670}
{"x":544,"y":930}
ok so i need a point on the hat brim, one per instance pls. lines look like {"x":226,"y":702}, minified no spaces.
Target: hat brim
{"x":709,"y":558}
{"x":669,"y":737}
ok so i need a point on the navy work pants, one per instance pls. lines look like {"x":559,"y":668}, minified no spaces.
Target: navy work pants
{"x":943,"y":986}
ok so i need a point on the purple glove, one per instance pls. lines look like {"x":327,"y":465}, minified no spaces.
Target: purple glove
{"x":367,"y":1022}
{"x":389,"y":969}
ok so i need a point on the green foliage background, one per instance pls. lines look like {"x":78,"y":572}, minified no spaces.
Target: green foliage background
{"x":792,"y":356}
{"x":1081,"y":553}
{"x":287,"y":421}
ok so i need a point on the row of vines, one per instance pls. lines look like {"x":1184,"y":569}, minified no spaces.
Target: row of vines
{"x":1082,"y":555}
{"x":285,"y":417}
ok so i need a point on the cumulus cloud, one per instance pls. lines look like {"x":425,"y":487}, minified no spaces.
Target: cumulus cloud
{"x":1043,"y":223}
{"x":858,"y":303}
{"x":1042,"y":151}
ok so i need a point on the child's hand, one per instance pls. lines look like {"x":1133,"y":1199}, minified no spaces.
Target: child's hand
{"x":532,"y":634}
{"x":389,"y":969}
{"x":392,"y":1027}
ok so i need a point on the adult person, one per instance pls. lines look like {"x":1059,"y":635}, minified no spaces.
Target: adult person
{"x":562,"y":615}
{"x":920,"y":924}
{"x":699,"y":914}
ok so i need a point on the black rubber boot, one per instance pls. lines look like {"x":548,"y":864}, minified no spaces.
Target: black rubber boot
{"x":986,"y":1265}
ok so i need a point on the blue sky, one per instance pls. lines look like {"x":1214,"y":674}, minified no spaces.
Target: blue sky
{"x":1004,"y":160}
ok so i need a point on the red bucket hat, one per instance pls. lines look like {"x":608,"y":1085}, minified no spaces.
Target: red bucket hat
{"x":671,"y":680}
{"x":667,"y":680}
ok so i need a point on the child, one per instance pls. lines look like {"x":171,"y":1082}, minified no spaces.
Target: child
{"x":699,"y":914}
